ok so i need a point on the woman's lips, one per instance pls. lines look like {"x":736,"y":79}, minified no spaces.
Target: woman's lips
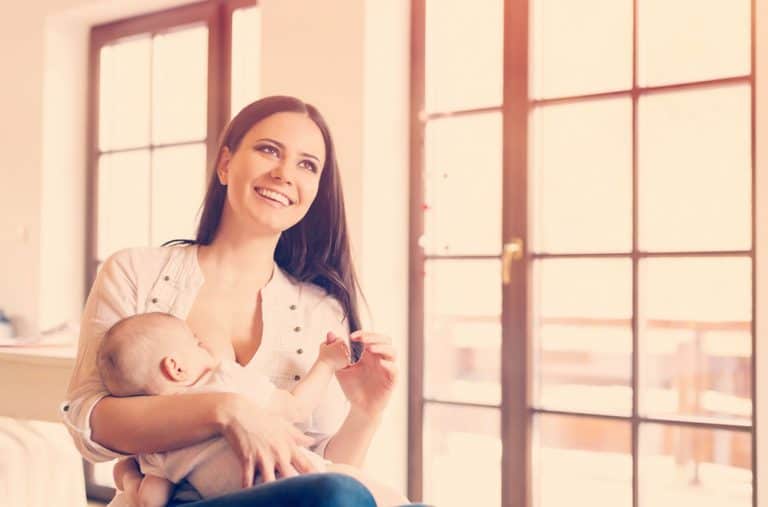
{"x":271,"y":202}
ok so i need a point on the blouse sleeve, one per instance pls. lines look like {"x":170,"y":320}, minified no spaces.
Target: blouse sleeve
{"x":113,"y":296}
{"x":330,"y":413}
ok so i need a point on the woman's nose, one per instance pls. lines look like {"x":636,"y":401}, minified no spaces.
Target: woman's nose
{"x":280,"y":172}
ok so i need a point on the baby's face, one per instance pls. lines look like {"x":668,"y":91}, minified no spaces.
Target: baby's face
{"x":173,"y":338}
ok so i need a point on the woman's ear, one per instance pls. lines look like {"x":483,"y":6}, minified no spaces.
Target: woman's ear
{"x":223,"y":169}
{"x":173,"y":369}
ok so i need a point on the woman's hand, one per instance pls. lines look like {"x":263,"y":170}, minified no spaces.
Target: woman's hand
{"x":263,"y":440}
{"x":368,"y":384}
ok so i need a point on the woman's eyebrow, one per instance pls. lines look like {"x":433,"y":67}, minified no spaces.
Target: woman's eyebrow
{"x":282,"y":147}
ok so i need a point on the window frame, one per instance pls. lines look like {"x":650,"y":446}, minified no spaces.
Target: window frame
{"x":517,"y":409}
{"x":217,"y":16}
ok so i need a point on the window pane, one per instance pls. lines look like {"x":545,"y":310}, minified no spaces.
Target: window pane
{"x":580,"y":47}
{"x":462,"y":456}
{"x":124,"y":94}
{"x":581,"y":461}
{"x":702,"y":467}
{"x":464,"y":48}
{"x":246,"y":57}
{"x":691,"y":40}
{"x":695,"y":337}
{"x":463,"y":185}
{"x":123,"y":202}
{"x":180,"y":71}
{"x":583,"y":335}
{"x":582,"y":177}
{"x":463,"y":334}
{"x":178,"y":188}
{"x":695,"y":170}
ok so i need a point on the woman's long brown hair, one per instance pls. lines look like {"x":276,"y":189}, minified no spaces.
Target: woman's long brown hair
{"x":316,"y":249}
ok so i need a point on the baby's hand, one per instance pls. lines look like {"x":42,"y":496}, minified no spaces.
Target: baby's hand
{"x":335,"y":353}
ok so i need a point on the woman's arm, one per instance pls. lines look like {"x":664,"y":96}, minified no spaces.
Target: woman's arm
{"x":350,"y":444}
{"x":104,"y":427}
{"x":368,"y":385}
{"x":113,"y":296}
{"x":146,"y":424}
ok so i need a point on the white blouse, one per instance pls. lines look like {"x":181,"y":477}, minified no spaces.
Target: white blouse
{"x":296,"y":319}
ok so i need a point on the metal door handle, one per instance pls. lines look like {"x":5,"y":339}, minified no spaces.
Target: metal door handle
{"x":513,"y":251}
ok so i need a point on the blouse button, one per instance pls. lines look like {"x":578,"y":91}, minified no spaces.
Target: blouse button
{"x":297,"y":328}
{"x":292,"y":307}
{"x":154,"y":301}
{"x":296,"y":378}
{"x":166,"y":278}
{"x":300,"y":351}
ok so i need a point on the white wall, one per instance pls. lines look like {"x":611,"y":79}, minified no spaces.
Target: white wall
{"x":347,"y":57}
{"x":20,"y":142}
{"x":385,"y":202}
{"x":42,"y":136}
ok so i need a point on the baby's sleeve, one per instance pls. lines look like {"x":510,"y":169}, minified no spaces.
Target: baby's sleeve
{"x":113,"y":296}
{"x":254,"y":385}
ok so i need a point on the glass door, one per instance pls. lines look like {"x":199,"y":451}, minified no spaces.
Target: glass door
{"x":582,"y":326}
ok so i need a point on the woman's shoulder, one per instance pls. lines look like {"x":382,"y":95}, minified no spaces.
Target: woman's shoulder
{"x":136,"y":261}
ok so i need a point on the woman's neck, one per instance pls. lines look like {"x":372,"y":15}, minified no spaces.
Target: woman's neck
{"x":236,"y":258}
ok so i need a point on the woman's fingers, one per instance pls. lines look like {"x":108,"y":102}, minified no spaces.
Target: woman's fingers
{"x":383,"y":350}
{"x":303,"y":464}
{"x":390,"y":369}
{"x":376,"y":343}
{"x":298,"y":437}
{"x":266,"y":443}
{"x":284,"y":466}
{"x":369,"y":337}
{"x":267,"y":467}
{"x":241,"y":445}
{"x":249,"y":467}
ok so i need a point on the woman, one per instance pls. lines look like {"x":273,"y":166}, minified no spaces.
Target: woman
{"x":267,"y":278}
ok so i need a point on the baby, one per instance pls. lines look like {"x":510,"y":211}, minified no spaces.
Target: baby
{"x":156,"y":353}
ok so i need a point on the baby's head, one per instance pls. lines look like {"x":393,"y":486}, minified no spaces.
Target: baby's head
{"x":151,"y":353}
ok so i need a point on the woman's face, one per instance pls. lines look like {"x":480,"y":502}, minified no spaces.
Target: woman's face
{"x":273,"y":176}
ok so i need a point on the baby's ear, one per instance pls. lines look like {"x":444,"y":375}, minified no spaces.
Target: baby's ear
{"x":173,"y":369}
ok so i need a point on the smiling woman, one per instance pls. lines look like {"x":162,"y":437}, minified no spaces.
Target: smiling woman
{"x":264,"y":170}
{"x":268,"y":278}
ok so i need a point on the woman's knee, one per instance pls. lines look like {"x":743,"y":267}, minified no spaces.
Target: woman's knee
{"x":337,"y":490}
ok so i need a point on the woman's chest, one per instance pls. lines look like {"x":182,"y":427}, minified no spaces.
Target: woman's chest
{"x":277,"y":337}
{"x":228,"y":322}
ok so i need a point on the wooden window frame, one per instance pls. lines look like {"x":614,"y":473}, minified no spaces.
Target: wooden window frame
{"x":516,"y":408}
{"x":217,"y":16}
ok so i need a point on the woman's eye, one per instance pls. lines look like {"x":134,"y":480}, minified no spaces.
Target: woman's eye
{"x":306,"y":164}
{"x":266,"y":148}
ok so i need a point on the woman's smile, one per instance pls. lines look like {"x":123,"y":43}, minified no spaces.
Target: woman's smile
{"x":273,"y":197}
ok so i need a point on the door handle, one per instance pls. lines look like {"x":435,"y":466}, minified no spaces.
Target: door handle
{"x":513,"y":251}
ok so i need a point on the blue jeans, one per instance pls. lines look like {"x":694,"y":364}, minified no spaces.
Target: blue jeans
{"x":311,"y":490}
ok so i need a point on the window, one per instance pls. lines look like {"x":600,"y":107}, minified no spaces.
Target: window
{"x":162,"y":87}
{"x":582,"y":253}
